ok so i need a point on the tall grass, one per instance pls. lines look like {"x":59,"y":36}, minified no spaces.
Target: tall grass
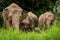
{"x":52,"y":33}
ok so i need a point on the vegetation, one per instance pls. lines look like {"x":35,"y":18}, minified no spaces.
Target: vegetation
{"x":37,"y":7}
{"x":52,"y":33}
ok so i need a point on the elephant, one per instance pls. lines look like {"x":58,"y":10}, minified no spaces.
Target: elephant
{"x":46,"y":19}
{"x":12,"y":15}
{"x":30,"y":22}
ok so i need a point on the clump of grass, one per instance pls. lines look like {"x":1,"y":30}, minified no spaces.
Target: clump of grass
{"x":52,"y":33}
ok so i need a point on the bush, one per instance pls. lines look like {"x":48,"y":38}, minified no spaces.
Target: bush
{"x":30,"y":5}
{"x":56,"y":10}
{"x":1,"y":20}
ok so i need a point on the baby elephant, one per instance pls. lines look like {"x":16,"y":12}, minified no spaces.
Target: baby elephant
{"x":29,"y":22}
{"x":46,"y":19}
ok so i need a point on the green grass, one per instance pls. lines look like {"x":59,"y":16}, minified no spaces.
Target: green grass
{"x":52,"y":33}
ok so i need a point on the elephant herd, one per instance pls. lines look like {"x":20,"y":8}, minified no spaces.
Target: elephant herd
{"x":18,"y":18}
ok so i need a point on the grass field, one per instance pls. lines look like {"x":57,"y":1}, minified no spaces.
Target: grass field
{"x":52,"y":33}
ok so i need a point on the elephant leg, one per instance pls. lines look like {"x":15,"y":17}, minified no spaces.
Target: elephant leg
{"x":32,"y":26}
{"x":48,"y":24}
{"x":7,"y":23}
{"x":44,"y":25}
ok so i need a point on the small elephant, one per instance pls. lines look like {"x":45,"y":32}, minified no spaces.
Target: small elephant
{"x":30,"y":22}
{"x":46,"y":19}
{"x":12,"y":15}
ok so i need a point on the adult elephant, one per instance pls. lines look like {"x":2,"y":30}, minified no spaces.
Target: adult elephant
{"x":12,"y":15}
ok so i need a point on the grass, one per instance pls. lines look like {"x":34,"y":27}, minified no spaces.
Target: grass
{"x":52,"y":33}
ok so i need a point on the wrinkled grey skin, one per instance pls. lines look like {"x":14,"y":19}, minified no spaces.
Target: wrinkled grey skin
{"x":46,"y":20}
{"x":29,"y":22}
{"x":12,"y":15}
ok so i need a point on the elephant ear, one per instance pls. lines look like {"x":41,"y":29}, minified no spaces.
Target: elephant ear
{"x":30,"y":19}
{"x":24,"y":14}
{"x":5,"y":13}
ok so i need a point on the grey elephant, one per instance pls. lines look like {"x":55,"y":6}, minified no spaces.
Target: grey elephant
{"x":30,"y":22}
{"x":12,"y":15}
{"x":46,"y":19}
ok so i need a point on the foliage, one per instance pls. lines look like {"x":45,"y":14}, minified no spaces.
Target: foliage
{"x":1,"y":20}
{"x":56,"y":10}
{"x":37,"y":7}
{"x":30,"y":5}
{"x":50,"y":34}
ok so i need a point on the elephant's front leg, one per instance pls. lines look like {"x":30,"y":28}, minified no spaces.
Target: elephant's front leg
{"x":7,"y":23}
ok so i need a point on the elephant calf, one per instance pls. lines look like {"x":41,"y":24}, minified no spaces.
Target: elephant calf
{"x":30,"y":21}
{"x":46,"y":19}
